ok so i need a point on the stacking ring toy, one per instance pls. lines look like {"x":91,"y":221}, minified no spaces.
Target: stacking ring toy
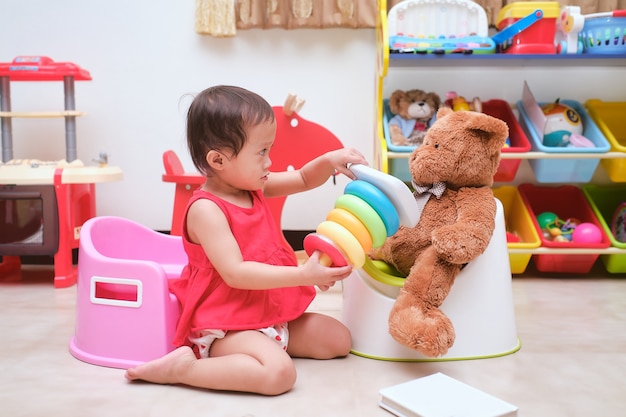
{"x":353,"y":224}
{"x":345,"y":240}
{"x":379,"y":202}
{"x":331,"y":254}
{"x":366,"y":214}
{"x":372,"y":208}
{"x":394,"y":188}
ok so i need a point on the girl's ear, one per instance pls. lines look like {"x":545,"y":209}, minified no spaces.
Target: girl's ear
{"x":215,"y":160}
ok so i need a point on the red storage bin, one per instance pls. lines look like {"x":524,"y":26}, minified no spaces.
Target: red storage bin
{"x":567,"y":202}
{"x":518,"y":142}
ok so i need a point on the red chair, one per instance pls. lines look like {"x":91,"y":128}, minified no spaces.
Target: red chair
{"x":186,"y":183}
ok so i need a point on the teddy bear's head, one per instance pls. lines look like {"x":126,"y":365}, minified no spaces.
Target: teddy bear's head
{"x":461,"y":149}
{"x":414,"y":104}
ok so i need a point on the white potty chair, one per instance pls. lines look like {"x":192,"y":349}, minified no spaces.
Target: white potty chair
{"x":480,"y":306}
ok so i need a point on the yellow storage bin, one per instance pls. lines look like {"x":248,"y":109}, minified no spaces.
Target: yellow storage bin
{"x":519,"y":222}
{"x":609,"y":117}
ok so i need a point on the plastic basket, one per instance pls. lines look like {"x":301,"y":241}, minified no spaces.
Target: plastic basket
{"x":497,"y":108}
{"x":604,"y":199}
{"x":538,"y":37}
{"x":609,"y":116}
{"x":572,"y":170}
{"x":519,"y":222}
{"x":604,"y":35}
{"x":387,"y":116}
{"x":567,"y":202}
{"x":518,"y":141}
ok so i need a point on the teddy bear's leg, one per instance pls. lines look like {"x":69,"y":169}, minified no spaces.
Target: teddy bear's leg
{"x":415,"y":320}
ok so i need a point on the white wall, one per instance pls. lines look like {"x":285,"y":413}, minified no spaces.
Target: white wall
{"x":145,"y":59}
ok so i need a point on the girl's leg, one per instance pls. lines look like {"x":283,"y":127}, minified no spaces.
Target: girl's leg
{"x":245,"y":361}
{"x":318,"y":336}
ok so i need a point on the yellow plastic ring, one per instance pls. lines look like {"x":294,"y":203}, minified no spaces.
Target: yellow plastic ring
{"x":345,"y":240}
{"x":354,"y":226}
{"x":368,"y":216}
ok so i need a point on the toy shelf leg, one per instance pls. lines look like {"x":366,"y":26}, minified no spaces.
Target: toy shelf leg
{"x":70,"y":121}
{"x":6,"y":124}
{"x":76,"y":204}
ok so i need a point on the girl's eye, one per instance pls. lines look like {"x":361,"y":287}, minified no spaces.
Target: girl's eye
{"x":264,"y":152}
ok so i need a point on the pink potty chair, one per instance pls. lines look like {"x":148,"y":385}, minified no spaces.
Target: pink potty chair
{"x":125,"y":314}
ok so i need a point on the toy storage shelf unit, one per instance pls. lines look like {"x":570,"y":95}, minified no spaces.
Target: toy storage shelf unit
{"x":406,"y":69}
{"x":44,"y":204}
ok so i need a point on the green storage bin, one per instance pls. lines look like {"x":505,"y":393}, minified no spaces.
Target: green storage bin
{"x":604,"y":199}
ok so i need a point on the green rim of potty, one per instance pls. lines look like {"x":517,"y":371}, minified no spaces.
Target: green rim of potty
{"x":366,"y":214}
{"x":383,"y":272}
{"x":446,"y":359}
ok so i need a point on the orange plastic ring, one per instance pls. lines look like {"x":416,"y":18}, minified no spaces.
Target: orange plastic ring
{"x":345,"y":240}
{"x":353,"y":224}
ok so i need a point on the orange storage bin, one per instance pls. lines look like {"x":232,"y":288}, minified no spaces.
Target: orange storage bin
{"x":519,"y":222}
{"x":567,"y":202}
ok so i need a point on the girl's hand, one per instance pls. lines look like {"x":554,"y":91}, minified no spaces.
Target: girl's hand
{"x":314,"y":273}
{"x":340,"y":159}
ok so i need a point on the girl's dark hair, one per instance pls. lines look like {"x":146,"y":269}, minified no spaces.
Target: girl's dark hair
{"x":218,"y":119}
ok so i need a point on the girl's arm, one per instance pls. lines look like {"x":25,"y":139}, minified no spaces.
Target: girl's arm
{"x":314,"y":173}
{"x":207,"y":225}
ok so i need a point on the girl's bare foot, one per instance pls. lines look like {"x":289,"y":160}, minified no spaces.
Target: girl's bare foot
{"x":163,"y":370}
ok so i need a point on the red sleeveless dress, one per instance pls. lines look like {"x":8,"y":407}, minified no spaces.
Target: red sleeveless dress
{"x":209,"y":303}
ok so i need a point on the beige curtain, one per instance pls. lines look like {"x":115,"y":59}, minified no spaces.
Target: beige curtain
{"x":224,"y":17}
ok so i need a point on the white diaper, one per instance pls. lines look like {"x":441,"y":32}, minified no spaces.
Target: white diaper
{"x":278,"y":333}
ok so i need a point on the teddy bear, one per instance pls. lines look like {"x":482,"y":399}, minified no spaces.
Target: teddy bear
{"x":452,"y":174}
{"x":413,"y":111}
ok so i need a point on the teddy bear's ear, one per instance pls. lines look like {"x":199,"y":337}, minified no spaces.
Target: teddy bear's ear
{"x":435,"y":99}
{"x":444,"y":111}
{"x":394,"y":101}
{"x":493,"y":131}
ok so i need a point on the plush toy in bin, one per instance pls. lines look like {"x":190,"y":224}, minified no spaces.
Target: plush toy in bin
{"x":460,"y":103}
{"x":563,"y":127}
{"x":618,"y":223}
{"x":413,"y":111}
{"x":452,"y":175}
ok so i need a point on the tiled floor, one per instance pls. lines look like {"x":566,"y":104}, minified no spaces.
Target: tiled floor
{"x":572,"y":361}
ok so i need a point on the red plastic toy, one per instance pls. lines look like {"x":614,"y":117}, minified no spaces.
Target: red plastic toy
{"x":41,"y":68}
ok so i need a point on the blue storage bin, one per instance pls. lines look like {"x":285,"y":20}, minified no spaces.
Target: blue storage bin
{"x":567,"y":170}
{"x":387,"y":116}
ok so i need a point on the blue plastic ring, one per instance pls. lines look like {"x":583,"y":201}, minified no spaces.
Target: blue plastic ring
{"x":373,"y":196}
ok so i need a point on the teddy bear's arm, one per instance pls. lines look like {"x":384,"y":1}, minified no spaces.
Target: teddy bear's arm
{"x":467,"y":238}
{"x":398,"y":126}
{"x":397,"y":138}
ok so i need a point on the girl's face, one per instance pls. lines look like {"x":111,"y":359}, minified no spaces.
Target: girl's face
{"x":250,"y":169}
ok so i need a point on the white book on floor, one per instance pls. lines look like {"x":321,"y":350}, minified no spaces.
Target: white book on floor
{"x":439,"y":395}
